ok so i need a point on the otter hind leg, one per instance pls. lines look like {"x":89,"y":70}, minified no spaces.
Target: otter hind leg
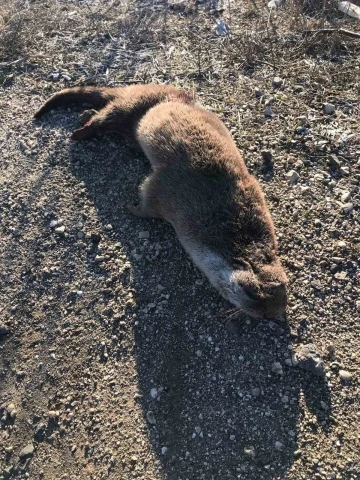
{"x":149,"y":206}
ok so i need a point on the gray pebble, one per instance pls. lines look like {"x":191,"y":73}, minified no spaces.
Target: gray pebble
{"x":309,"y":358}
{"x":277,"y":82}
{"x":151,"y":417}
{"x":345,"y":376}
{"x":27,"y":451}
{"x":277,"y":368}
{"x":329,"y":108}
{"x":292,"y":176}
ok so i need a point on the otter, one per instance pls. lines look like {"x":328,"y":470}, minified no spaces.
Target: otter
{"x":199,"y":184}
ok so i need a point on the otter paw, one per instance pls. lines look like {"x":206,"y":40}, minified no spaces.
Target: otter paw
{"x":85,"y":116}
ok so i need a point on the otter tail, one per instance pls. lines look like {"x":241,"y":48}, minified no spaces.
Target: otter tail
{"x":96,"y":97}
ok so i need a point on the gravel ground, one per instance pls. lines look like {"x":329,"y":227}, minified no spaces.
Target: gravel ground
{"x":118,"y":359}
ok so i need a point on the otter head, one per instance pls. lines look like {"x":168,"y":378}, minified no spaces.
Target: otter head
{"x":258,"y":290}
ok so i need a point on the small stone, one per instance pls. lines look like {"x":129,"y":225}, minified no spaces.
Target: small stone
{"x":108,"y":227}
{"x":100,"y":258}
{"x":345,"y":197}
{"x":144,"y":234}
{"x":54,"y":76}
{"x":304,"y":189}
{"x":310,"y":359}
{"x":345,"y":376}
{"x":338,"y":260}
{"x":331,"y":351}
{"x":279,"y":446}
{"x":4,"y":330}
{"x":259,"y":93}
{"x":340,"y":275}
{"x":334,"y":162}
{"x":151,"y":417}
{"x":52,"y":413}
{"x":268,"y":112}
{"x":60,"y":230}
{"x":345,"y":171}
{"x":292,"y":177}
{"x":164,"y":450}
{"x":277,"y":368}
{"x":232,"y":438}
{"x":13,"y":413}
{"x":277,"y":82}
{"x":329,"y":108}
{"x":255,"y":392}
{"x":153,"y":393}
{"x":27,"y":451}
{"x":249,"y":451}
{"x":347,"y":207}
{"x":323,"y":405}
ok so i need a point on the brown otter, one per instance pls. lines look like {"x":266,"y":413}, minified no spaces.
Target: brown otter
{"x":199,"y":184}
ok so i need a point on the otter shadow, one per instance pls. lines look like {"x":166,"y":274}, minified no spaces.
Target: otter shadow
{"x":212,"y":403}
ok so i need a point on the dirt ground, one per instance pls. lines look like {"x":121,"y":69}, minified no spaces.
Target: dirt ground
{"x":117,"y":359}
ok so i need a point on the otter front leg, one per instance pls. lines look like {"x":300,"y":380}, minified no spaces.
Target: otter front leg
{"x":140,"y":210}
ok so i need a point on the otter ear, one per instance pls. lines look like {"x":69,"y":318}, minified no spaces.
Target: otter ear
{"x":241,"y":264}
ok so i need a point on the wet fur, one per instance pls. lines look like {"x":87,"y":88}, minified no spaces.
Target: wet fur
{"x":199,"y":184}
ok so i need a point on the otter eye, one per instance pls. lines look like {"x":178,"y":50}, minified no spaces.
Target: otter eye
{"x":251,"y":293}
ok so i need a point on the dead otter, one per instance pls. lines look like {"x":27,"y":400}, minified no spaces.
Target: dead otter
{"x":199,"y":184}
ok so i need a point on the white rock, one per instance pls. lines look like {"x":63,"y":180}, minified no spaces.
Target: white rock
{"x":350,"y":9}
{"x":60,"y":229}
{"x":277,"y":82}
{"x":250,"y":451}
{"x":292,"y":176}
{"x":345,"y":376}
{"x":345,"y":197}
{"x":153,"y":392}
{"x":345,"y":170}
